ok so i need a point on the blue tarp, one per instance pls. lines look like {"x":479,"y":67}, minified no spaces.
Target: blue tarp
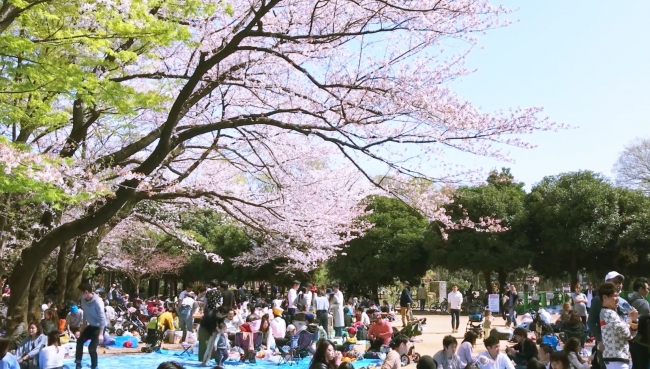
{"x":151,"y":361}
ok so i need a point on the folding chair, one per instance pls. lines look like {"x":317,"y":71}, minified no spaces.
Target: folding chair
{"x":186,"y":349}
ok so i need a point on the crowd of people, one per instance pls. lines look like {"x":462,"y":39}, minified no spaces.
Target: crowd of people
{"x":323,"y":314}
{"x":619,"y":328}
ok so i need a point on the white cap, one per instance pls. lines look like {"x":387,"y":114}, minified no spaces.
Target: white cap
{"x":612,"y":275}
{"x":291,"y":327}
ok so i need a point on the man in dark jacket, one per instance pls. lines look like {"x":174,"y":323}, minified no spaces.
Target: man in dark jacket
{"x":228,"y":296}
{"x":637,"y":298}
{"x":524,"y":350}
{"x":405,"y":301}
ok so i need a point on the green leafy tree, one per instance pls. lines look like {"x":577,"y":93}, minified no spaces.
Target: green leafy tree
{"x":572,"y":218}
{"x":391,"y":250}
{"x":493,"y":241}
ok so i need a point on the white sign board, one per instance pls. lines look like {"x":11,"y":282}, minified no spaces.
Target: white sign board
{"x":493,"y":303}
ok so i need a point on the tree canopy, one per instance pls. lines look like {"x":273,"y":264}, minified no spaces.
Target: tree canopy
{"x":499,"y":204}
{"x":392,"y":249}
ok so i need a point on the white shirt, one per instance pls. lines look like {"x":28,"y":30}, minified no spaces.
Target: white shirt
{"x":365,"y":319}
{"x":232,"y":326}
{"x":51,"y":357}
{"x":455,"y":299}
{"x":183,"y":295}
{"x":308,"y":298}
{"x":277,"y":303}
{"x":485,"y":361}
{"x":110,"y":312}
{"x":292,"y":298}
{"x":590,"y":296}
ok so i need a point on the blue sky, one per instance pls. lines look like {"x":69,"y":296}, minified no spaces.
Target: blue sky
{"x":586,"y":62}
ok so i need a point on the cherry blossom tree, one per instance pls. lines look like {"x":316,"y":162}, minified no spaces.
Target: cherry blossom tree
{"x":139,"y":255}
{"x":277,"y":113}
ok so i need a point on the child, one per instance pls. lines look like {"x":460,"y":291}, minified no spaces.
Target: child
{"x":221,"y":345}
{"x":487,"y":323}
{"x":351,"y":340}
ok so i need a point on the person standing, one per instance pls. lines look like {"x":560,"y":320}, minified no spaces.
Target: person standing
{"x":336,"y":304}
{"x":228,"y":296}
{"x":291,"y":300}
{"x":264,"y":288}
{"x":594,"y":321}
{"x":405,"y":301}
{"x":580,"y":303}
{"x":95,"y":320}
{"x":615,"y":331}
{"x":590,"y":296}
{"x":309,"y":297}
{"x":187,"y":307}
{"x":322,"y":306}
{"x":422,"y":296}
{"x":511,"y":299}
{"x":638,"y":298}
{"x":454,"y":301}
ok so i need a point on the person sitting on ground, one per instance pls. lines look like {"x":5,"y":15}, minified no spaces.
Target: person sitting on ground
{"x":7,"y":360}
{"x":560,"y":360}
{"x":19,"y":332}
{"x":51,"y":357}
{"x":268,"y":341}
{"x":426,"y":362}
{"x":565,"y":316}
{"x":398,"y":347}
{"x":447,"y":357}
{"x":325,"y":357}
{"x":351,"y":340}
{"x":300,"y":318}
{"x":524,"y":350}
{"x":50,"y":321}
{"x":572,"y":348}
{"x":544,"y":355}
{"x":74,"y":319}
{"x":535,"y":364}
{"x":362,"y":317}
{"x":574,"y":324}
{"x":492,"y":358}
{"x":380,"y":332}
{"x":170,"y":365}
{"x":466,"y":349}
{"x":27,"y":351}
{"x":278,"y":325}
{"x":233,"y":322}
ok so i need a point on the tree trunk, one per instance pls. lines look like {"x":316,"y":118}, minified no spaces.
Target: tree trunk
{"x":4,"y":209}
{"x":84,"y":249}
{"x":487,"y":278}
{"x":502,"y":276}
{"x":35,"y":298}
{"x":62,"y":272}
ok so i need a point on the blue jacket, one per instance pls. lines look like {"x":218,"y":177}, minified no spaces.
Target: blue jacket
{"x":31,"y":348}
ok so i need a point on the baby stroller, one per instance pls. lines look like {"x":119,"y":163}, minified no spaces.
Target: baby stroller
{"x":154,"y":341}
{"x":413,"y":328}
{"x":475,"y":322}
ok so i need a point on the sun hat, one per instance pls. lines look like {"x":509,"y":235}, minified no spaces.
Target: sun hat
{"x":277,"y":311}
{"x":612,"y":275}
{"x":329,"y":292}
